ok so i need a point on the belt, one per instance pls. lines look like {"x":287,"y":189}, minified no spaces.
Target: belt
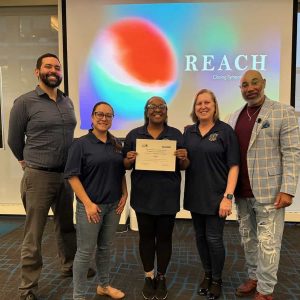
{"x":55,"y":170}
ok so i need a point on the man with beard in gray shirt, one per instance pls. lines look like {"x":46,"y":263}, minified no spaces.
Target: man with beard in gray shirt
{"x":41,"y":129}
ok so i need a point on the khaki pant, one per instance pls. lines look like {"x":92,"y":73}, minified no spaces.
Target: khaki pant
{"x":40,"y":191}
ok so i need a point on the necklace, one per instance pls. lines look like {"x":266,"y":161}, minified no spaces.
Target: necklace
{"x":250,"y":116}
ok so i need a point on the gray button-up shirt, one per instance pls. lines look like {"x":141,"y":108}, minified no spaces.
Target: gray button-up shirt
{"x":40,"y":129}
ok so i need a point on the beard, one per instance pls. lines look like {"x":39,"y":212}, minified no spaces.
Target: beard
{"x":255,"y":99}
{"x":255,"y":102}
{"x":51,"y":83}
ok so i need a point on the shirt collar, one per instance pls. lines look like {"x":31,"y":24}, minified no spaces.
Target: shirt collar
{"x":143,"y":130}
{"x":95,"y":140}
{"x":41,"y":92}
{"x":215,"y":128}
{"x":165,"y":133}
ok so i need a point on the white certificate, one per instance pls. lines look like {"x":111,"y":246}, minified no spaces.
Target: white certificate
{"x":155,"y":155}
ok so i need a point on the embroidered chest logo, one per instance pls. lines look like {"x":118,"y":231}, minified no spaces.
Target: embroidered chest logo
{"x":213,"y":137}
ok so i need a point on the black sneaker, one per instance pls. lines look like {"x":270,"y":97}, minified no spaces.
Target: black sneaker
{"x":161,"y":291}
{"x":215,"y":289}
{"x":148,"y":290}
{"x":204,"y":285}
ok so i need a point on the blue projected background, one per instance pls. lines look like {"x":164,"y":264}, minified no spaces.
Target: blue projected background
{"x":134,"y":51}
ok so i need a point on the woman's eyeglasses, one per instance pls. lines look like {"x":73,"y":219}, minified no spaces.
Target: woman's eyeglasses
{"x":154,"y":107}
{"x":100,"y":115}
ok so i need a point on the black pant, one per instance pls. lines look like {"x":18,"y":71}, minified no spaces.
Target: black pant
{"x":155,"y":238}
{"x":209,"y":239}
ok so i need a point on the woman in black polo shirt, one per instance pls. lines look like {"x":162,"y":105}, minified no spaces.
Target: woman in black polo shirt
{"x":96,"y":173}
{"x":155,"y":197}
{"x":209,"y":185}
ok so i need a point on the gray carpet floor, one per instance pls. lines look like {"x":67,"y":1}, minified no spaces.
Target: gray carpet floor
{"x":183,"y":275}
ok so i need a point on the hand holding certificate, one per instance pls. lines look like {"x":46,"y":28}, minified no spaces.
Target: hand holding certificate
{"x":155,"y":155}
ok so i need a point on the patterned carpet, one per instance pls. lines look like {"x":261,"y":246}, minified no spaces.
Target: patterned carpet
{"x":8,"y":224}
{"x":183,"y":275}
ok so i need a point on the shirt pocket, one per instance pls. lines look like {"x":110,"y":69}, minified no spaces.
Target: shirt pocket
{"x":272,"y":171}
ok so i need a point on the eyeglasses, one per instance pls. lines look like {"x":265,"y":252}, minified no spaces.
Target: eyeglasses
{"x":160,"y":107}
{"x":100,"y":115}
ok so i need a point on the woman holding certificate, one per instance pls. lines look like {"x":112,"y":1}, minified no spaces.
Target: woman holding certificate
{"x":96,"y":173}
{"x":210,"y":181}
{"x":155,"y":191}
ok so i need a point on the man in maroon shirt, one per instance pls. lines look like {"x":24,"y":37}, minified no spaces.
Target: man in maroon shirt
{"x":269,"y":139}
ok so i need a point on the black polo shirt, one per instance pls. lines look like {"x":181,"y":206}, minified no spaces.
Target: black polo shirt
{"x":99,"y":167}
{"x":154,"y":192}
{"x":210,"y":156}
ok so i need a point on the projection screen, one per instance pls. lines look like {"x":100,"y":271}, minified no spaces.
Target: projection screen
{"x":124,"y":52}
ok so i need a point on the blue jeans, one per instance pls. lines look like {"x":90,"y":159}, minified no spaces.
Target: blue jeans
{"x":90,"y":235}
{"x":261,"y":228}
{"x":210,"y":245}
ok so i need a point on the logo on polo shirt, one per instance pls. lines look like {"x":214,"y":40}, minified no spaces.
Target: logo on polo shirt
{"x":213,"y":137}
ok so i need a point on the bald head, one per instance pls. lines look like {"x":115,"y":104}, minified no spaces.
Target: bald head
{"x":252,"y":86}
{"x":251,"y":74}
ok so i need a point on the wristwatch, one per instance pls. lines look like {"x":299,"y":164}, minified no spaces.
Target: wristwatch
{"x":229,"y":196}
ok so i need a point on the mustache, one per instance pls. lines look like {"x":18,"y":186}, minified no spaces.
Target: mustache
{"x":252,"y":93}
{"x":52,"y":74}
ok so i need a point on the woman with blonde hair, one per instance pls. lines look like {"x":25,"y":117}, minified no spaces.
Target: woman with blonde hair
{"x":210,"y":181}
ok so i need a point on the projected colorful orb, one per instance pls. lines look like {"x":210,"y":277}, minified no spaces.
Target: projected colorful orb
{"x":130,"y":61}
